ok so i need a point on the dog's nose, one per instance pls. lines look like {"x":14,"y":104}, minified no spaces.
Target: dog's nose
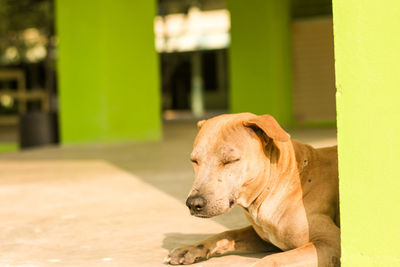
{"x":196,"y":203}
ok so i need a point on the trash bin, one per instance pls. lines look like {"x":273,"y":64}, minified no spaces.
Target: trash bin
{"x":38,"y":129}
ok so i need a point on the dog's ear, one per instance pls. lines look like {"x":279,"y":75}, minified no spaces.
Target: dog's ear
{"x":200,"y":123}
{"x":269,"y":126}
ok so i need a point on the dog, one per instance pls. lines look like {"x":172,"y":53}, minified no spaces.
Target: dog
{"x":288,"y":192}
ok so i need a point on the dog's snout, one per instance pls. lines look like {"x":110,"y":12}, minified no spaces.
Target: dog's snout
{"x":196,"y":203}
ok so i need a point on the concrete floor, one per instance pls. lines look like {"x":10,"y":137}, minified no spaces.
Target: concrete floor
{"x":109,"y":204}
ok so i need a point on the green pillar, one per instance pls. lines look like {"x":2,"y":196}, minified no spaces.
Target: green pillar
{"x":367,"y":42}
{"x":260,"y":58}
{"x":108,"y":71}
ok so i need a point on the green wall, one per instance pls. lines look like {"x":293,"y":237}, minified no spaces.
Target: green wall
{"x":367,"y":52}
{"x":8,"y":147}
{"x":108,"y":71}
{"x":260,"y":58}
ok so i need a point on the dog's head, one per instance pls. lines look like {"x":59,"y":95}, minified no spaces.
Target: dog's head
{"x":230,"y":155}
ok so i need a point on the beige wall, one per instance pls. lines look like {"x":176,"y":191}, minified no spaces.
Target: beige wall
{"x":313,"y":71}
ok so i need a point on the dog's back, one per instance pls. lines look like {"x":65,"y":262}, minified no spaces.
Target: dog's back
{"x":318,"y":168}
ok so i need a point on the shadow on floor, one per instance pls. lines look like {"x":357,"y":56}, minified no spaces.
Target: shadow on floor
{"x":175,"y":240}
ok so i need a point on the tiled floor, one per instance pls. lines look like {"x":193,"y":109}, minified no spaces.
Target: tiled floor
{"x":109,"y":205}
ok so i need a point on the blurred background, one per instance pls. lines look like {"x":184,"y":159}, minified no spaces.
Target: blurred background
{"x":99,"y":101}
{"x":74,"y":73}
{"x":108,"y":94}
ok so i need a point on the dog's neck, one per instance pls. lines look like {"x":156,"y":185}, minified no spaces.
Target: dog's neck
{"x":279,"y":180}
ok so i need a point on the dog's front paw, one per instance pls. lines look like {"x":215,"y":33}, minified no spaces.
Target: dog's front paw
{"x":188,"y":255}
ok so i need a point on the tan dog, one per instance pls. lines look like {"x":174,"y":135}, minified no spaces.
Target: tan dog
{"x":288,"y":191}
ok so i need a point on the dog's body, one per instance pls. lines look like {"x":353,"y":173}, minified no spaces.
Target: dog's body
{"x":288,"y":190}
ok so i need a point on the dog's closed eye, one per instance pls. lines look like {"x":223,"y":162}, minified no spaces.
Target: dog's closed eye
{"x":229,"y":161}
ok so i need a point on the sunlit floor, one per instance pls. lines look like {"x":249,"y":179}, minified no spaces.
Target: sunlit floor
{"x":109,"y":205}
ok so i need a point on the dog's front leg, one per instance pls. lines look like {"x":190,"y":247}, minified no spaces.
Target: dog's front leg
{"x":309,"y":255}
{"x":323,"y":250}
{"x":244,"y":239}
{"x":305,"y":256}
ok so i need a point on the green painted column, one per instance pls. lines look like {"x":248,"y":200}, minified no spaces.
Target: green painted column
{"x":260,"y":58}
{"x":108,"y":71}
{"x":367,"y":52}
